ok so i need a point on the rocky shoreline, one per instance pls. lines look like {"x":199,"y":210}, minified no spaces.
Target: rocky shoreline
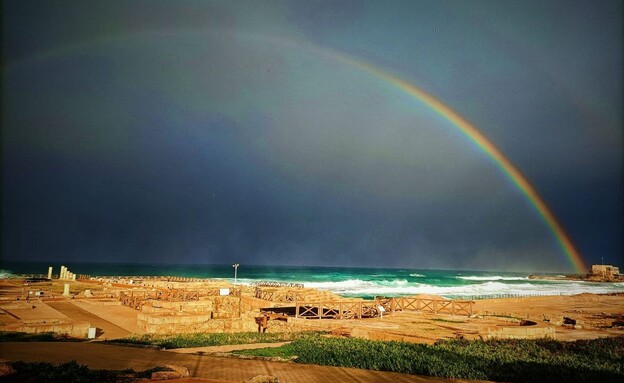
{"x":576,"y":277}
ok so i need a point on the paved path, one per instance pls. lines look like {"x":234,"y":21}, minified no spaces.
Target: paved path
{"x":105,"y":329}
{"x":227,"y":348}
{"x":122,"y":316}
{"x":105,"y":356}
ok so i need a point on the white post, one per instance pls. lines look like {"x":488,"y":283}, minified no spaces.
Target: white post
{"x":50,"y":272}
{"x":235,"y":266}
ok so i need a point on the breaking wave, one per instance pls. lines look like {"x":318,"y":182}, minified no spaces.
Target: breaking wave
{"x":4,"y":274}
{"x":491,"y":278}
{"x":359,"y":287}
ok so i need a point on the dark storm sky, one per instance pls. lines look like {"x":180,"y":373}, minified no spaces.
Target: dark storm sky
{"x":229,"y":131}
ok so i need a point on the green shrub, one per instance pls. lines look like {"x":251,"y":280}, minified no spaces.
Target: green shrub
{"x":63,"y":373}
{"x":14,"y":336}
{"x":72,"y":372}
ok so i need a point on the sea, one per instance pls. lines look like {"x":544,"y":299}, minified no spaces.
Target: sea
{"x":345,"y":281}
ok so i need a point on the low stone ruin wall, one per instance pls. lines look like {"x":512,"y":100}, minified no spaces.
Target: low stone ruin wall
{"x":211,"y":314}
{"x":186,"y":323}
{"x":521,"y":332}
{"x":77,"y":329}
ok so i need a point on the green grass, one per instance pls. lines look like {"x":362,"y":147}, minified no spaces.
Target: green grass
{"x":447,"y":320}
{"x":599,"y":360}
{"x":212,"y":339}
{"x":13,"y":336}
{"x":285,"y":352}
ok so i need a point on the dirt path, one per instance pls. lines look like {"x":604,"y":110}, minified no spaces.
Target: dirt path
{"x":105,"y":329}
{"x":103,"y":356}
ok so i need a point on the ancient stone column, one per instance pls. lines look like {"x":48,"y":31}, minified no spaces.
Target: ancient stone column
{"x":66,"y":290}
{"x":50,"y":272}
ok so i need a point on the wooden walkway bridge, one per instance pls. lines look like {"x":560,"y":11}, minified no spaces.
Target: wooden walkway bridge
{"x":370,"y":309}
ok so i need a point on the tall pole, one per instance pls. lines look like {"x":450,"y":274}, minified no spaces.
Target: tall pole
{"x":235,"y":266}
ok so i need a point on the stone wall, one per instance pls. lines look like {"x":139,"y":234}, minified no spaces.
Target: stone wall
{"x":181,"y":323}
{"x":211,"y":314}
{"x":195,"y":307}
{"x":73,"y":329}
{"x":520,"y":332}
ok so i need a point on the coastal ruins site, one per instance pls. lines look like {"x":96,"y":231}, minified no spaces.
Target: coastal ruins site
{"x":115,"y":307}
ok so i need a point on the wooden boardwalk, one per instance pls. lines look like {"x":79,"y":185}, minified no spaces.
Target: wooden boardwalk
{"x":436,"y":306}
{"x":370,"y":309}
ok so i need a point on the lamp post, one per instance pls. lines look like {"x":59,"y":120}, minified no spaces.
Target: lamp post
{"x":235,"y":266}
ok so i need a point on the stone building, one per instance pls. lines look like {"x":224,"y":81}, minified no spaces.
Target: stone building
{"x":605,"y":271}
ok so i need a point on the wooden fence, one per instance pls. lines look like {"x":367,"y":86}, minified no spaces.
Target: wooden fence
{"x":136,"y":299}
{"x":278,"y":295}
{"x":337,"y":310}
{"x":369,"y":309}
{"x":437,"y":306}
{"x":278,"y":284}
{"x":137,"y":279}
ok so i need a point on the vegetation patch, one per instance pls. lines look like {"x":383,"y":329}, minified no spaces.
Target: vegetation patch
{"x":598,"y":360}
{"x":66,"y":372}
{"x":284,"y":352}
{"x":212,"y":339}
{"x":14,"y":336}
{"x":72,"y":372}
{"x":447,"y":320}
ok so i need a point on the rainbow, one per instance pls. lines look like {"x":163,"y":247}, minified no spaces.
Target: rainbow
{"x":443,"y":110}
{"x":487,"y":146}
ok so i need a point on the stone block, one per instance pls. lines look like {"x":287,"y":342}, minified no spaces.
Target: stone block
{"x":263,"y":379}
{"x":175,"y":372}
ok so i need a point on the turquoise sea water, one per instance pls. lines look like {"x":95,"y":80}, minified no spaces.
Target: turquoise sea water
{"x":355,"y":282}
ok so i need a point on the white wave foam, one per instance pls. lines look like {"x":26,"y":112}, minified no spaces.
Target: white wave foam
{"x":491,"y":278}
{"x":488,"y":288}
{"x":5,"y":274}
{"x":417,"y":275}
{"x":351,"y":284}
{"x":482,"y":288}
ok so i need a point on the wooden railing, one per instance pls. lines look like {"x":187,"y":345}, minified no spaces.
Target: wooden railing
{"x":136,"y":299}
{"x":278,"y":284}
{"x":142,"y":278}
{"x":437,"y":306}
{"x":369,"y":309}
{"x":336,"y":310}
{"x":278,"y":295}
